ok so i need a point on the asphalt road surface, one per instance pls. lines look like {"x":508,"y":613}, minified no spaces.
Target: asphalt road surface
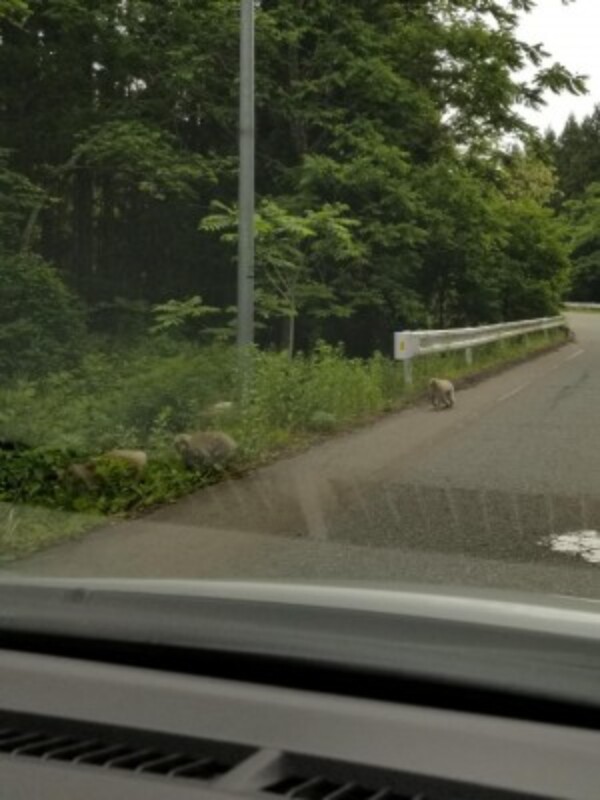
{"x":467,"y":497}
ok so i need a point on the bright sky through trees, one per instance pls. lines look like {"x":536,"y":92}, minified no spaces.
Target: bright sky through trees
{"x":570,"y":33}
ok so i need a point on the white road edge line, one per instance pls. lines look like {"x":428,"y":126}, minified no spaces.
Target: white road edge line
{"x":575,"y":355}
{"x":514,"y":392}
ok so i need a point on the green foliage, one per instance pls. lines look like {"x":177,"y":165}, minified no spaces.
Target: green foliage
{"x":119,"y":490}
{"x":177,"y":315}
{"x":534,"y":269}
{"x":583,"y":218}
{"x":291,"y":396}
{"x":137,"y":153}
{"x":577,"y":155}
{"x":39,"y":476}
{"x":527,"y":176}
{"x":293,"y":251}
{"x":25,"y":529}
{"x":322,"y":421}
{"x":125,"y":319}
{"x":381,"y":125}
{"x":42,"y":325}
{"x":31,"y":475}
{"x":118,"y":397}
{"x":14,"y":11}
{"x":19,"y":198}
{"x":494,"y":251}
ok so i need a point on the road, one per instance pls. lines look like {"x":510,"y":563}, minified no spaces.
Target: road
{"x":464,"y":497}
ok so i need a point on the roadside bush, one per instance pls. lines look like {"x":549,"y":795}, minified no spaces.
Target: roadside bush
{"x":118,"y":491}
{"x":291,"y":397}
{"x":42,"y":324}
{"x":322,"y":421}
{"x":37,"y":476}
{"x":32,"y":475}
{"x":119,"y":398}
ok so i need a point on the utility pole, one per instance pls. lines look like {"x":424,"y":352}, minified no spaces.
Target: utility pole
{"x":245,"y":291}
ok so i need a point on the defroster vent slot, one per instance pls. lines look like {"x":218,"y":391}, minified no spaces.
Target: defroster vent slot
{"x":22,"y":736}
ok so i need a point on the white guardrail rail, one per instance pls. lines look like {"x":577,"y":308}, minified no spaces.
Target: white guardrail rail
{"x":411,"y":344}
{"x":582,"y":306}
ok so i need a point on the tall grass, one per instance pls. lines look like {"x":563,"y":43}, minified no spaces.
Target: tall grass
{"x":25,"y":529}
{"x":118,"y":399}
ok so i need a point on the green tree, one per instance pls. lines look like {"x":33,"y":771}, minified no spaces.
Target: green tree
{"x":577,"y":154}
{"x":534,"y":268}
{"x":20,"y":200}
{"x":42,"y":324}
{"x":583,"y":219}
{"x":120,"y":113}
{"x":293,"y":253}
{"x":124,"y":116}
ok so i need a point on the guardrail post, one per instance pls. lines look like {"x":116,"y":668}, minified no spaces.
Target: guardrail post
{"x":469,"y":356}
{"x":406,"y":347}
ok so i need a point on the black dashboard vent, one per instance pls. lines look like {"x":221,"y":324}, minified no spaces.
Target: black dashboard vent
{"x":235,"y":769}
{"x":295,"y":776}
{"x":319,"y":788}
{"x":119,"y":748}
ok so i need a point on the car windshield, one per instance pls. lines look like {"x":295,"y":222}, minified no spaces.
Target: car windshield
{"x":301,"y":290}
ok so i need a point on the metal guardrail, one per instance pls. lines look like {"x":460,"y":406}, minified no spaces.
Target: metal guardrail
{"x":411,"y":344}
{"x":583,"y":306}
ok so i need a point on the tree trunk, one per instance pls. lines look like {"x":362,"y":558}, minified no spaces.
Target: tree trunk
{"x":105,"y":234}
{"x":441,"y":304}
{"x":297,"y":127}
{"x":288,"y":334}
{"x":83,"y":228}
{"x":292,"y":335}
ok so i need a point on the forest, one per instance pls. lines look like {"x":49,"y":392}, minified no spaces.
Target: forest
{"x":397,"y":186}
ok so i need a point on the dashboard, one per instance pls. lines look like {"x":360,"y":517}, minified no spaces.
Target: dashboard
{"x":105,"y":718}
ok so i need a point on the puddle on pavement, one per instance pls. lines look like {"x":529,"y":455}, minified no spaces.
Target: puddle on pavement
{"x":585,"y":544}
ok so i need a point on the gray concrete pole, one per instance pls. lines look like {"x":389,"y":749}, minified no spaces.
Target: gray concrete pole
{"x":245,"y":299}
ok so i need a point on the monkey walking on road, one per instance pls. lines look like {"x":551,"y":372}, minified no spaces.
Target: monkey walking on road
{"x":441,"y":393}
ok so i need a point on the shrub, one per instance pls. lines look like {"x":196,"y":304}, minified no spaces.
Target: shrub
{"x":124,"y":397}
{"x":32,"y":475}
{"x":42,"y":324}
{"x":37,"y":476}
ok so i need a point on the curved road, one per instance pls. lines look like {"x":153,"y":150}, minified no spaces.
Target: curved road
{"x":467,"y":497}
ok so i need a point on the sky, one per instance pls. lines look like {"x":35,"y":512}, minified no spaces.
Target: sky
{"x":571,"y":34}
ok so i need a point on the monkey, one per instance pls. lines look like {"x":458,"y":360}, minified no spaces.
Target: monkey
{"x":86,"y":473}
{"x":80,"y":473}
{"x":441,"y":393}
{"x":136,"y":459}
{"x":204,"y":448}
